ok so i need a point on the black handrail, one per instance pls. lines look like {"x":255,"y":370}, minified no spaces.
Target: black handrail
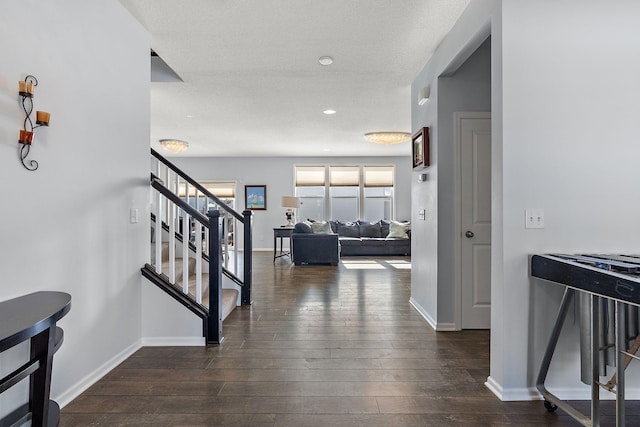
{"x":197,"y":185}
{"x":157,"y":184}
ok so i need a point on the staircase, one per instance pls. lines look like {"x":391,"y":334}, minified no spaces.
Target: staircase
{"x":195,"y":256}
{"x":230,"y":297}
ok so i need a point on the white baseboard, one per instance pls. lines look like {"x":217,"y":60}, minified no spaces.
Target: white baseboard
{"x":173,"y":342}
{"x":566,"y":393}
{"x":511,"y":395}
{"x":422,"y":312}
{"x":74,"y":391}
{"x":430,"y":320}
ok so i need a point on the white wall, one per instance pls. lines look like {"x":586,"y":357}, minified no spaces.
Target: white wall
{"x":569,"y":147}
{"x":65,"y":227}
{"x":278,"y":175}
{"x":460,"y":80}
{"x":563,"y":110}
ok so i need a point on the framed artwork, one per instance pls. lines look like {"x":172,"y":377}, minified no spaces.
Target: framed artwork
{"x":420,"y":148}
{"x":255,"y":197}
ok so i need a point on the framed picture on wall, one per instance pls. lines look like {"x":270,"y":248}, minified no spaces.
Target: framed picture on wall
{"x":255,"y":197}
{"x":420,"y":148}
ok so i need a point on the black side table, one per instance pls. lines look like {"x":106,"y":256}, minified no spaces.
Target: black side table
{"x":33,"y":317}
{"x":281,"y":232}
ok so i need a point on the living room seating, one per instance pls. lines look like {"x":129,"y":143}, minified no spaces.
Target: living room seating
{"x":322,"y":242}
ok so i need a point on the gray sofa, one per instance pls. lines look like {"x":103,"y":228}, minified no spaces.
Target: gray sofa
{"x":319,"y":242}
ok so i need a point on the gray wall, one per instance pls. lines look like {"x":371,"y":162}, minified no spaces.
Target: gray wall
{"x":467,"y":89}
{"x":557,"y":145}
{"x":278,"y":175}
{"x":65,"y":227}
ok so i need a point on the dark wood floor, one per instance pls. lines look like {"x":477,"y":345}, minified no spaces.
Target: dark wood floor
{"x":320,"y":346}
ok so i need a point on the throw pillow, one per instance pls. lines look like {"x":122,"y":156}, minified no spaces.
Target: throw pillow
{"x":384,"y":227}
{"x":369,"y":230}
{"x":321,"y":227}
{"x":398,"y":230}
{"x":303,"y":227}
{"x":348,"y":229}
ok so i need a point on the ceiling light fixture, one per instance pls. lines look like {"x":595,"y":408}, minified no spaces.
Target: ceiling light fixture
{"x":325,"y":60}
{"x":387,"y":137}
{"x":329,"y":112}
{"x":174,"y":145}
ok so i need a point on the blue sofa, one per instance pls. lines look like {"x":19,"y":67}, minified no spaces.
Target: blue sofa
{"x":320,"y":242}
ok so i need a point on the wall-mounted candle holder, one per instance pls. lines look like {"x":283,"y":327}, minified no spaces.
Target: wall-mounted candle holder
{"x":26,"y":90}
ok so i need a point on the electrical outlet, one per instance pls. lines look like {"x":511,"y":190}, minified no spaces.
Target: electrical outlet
{"x":534,"y":218}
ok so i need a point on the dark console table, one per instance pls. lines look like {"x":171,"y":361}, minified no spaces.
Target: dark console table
{"x":33,"y":317}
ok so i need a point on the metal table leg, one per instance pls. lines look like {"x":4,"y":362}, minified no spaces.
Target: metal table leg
{"x":552,"y":402}
{"x":621,"y":348}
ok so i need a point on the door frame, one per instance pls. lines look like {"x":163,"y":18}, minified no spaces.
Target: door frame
{"x":457,"y":214}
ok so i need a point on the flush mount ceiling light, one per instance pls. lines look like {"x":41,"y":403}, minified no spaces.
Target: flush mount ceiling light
{"x":325,"y":60}
{"x":387,"y":137}
{"x":174,"y":145}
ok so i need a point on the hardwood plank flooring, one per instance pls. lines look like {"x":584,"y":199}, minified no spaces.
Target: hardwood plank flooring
{"x":320,"y":346}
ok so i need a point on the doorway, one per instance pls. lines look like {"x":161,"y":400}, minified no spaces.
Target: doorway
{"x":472,"y":136}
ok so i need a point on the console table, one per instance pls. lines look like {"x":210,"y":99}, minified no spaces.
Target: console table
{"x":280,"y":233}
{"x":33,"y":317}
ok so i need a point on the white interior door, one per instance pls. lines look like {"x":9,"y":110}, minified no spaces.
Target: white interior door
{"x":474,"y":133}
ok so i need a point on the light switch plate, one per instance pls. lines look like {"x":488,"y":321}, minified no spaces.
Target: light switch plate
{"x":534,"y":218}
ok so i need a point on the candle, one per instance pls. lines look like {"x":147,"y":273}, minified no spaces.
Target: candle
{"x":26,"y":137}
{"x":30,"y":88}
{"x":22,"y":86}
{"x":42,"y":118}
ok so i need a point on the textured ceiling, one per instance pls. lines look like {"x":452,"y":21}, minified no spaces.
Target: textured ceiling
{"x":252,"y":84}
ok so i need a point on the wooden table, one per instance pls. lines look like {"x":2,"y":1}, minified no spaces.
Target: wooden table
{"x":33,"y":317}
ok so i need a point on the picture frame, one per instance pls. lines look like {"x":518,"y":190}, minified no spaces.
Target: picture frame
{"x":255,"y":197}
{"x":420,"y":152}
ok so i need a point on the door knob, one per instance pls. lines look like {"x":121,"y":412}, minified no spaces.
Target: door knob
{"x":469,"y":234}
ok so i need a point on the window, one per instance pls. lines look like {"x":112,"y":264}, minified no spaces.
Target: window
{"x":378,"y":192}
{"x":344,"y":189}
{"x":345,"y":192}
{"x":310,"y":188}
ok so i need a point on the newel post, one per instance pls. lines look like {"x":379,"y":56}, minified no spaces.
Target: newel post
{"x":245,"y":294}
{"x":214,"y":321}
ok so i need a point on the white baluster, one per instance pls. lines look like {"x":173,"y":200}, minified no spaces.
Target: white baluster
{"x":198,"y":262}
{"x":186,"y":232}
{"x":158,"y":231}
{"x":171,"y":220}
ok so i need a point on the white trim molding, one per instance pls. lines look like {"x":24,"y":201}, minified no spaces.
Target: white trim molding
{"x":77,"y":389}
{"x":173,"y":342}
{"x":439,"y":327}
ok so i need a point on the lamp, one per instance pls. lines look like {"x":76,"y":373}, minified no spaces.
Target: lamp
{"x":25,"y":90}
{"x":291,"y":203}
{"x":174,"y":145}
{"x":387,"y":137}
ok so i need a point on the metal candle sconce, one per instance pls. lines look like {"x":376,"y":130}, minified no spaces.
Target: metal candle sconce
{"x":25,"y":90}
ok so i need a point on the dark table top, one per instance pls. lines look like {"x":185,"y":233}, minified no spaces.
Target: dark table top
{"x":26,"y":316}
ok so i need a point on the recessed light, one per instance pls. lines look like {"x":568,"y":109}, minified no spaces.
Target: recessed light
{"x":325,"y":60}
{"x":326,"y":149}
{"x":329,"y":112}
{"x":189,"y":116}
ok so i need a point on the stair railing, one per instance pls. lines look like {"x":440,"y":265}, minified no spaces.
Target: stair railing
{"x":236,"y":227}
{"x":210,"y":306}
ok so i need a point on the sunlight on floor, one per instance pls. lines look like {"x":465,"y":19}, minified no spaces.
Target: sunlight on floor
{"x":400,"y":265}
{"x":376,"y":265}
